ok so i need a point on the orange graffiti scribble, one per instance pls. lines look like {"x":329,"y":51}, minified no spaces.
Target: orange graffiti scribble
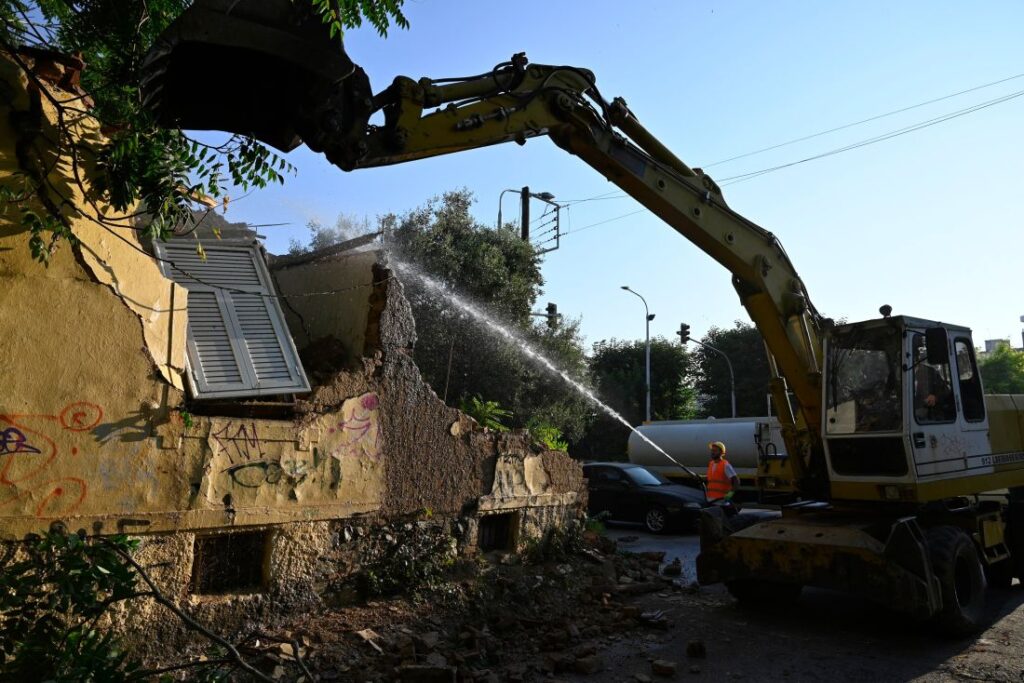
{"x":58,"y":493}
{"x":59,"y":496}
{"x":81,"y":416}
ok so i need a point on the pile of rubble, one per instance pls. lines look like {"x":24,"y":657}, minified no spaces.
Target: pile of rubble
{"x":512,"y":620}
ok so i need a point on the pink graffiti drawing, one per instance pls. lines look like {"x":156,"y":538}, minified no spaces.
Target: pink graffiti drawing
{"x":356,"y":434}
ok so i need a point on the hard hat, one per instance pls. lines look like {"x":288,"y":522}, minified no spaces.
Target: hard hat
{"x":719,"y":444}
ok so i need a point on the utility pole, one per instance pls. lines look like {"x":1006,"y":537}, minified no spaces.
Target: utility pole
{"x":525,"y":200}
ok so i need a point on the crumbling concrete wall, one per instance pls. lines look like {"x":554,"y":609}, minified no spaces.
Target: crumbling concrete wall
{"x":91,"y":436}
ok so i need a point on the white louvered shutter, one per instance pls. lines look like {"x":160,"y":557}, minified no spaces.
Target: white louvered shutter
{"x":238,"y":344}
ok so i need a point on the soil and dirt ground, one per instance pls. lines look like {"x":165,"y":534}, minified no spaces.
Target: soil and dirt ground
{"x":610,"y":613}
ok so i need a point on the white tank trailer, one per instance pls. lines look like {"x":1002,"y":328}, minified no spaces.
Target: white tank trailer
{"x":746,"y":440}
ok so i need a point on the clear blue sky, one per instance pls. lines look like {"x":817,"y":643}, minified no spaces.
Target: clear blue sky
{"x":929,"y":222}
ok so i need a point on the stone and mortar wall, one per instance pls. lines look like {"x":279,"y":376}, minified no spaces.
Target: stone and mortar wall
{"x":91,"y":376}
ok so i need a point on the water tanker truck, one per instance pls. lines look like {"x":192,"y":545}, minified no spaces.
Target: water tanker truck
{"x":749,"y":442}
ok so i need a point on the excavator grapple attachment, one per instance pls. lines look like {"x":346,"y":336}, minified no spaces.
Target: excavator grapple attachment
{"x":280,"y":77}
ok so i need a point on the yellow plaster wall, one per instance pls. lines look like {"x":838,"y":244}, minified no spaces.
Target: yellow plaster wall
{"x":342,"y":313}
{"x":90,"y":376}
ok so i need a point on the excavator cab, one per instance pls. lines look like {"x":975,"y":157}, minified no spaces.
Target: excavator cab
{"x":905,"y":416}
{"x":284,"y":79}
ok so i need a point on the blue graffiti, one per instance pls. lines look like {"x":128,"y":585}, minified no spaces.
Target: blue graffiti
{"x":13,"y":440}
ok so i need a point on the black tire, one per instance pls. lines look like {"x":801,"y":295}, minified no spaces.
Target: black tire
{"x":961,"y":576}
{"x":757,"y":593}
{"x":656,"y":519}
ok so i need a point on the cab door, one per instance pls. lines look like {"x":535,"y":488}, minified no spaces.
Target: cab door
{"x":948,"y":425}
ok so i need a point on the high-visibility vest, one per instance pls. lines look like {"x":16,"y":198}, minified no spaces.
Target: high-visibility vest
{"x":719,"y":482}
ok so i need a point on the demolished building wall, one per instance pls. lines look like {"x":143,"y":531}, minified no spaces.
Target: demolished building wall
{"x":100,"y":434}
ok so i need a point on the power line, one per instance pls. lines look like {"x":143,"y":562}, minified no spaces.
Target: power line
{"x":862,"y":121}
{"x":607,"y":220}
{"x":732,"y":180}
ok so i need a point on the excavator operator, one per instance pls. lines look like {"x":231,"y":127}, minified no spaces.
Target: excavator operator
{"x":722,"y":478}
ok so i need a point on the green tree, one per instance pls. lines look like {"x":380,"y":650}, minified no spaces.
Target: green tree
{"x":1002,"y":371}
{"x":745,"y":348}
{"x":461,"y":357}
{"x":618,"y":371}
{"x":140,"y":161}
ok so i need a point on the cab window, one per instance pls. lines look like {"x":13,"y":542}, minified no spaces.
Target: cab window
{"x":970,"y":382}
{"x":933,"y":388}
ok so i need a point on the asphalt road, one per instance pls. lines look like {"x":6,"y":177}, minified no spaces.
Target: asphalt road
{"x":825,"y":636}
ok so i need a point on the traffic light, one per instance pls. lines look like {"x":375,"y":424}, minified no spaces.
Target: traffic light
{"x":684,"y":333}
{"x":552,"y":313}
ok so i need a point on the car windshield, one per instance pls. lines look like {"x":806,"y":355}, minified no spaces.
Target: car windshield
{"x":642,"y":477}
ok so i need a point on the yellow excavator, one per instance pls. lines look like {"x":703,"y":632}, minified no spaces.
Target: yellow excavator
{"x":907,"y":481}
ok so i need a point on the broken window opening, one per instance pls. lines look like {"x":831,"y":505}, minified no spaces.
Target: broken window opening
{"x":497,"y":532}
{"x":229,"y":563}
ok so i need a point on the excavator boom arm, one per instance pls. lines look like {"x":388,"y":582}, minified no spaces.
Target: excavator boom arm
{"x":298,"y":85}
{"x":517,"y":102}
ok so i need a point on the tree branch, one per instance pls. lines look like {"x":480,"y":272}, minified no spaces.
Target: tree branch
{"x":191,"y":623}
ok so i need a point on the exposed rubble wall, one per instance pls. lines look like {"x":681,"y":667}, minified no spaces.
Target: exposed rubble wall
{"x":94,"y":437}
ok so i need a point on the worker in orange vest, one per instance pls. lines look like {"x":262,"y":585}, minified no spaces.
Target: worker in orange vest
{"x":722,"y":479}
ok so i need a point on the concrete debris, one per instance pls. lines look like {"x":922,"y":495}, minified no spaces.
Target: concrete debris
{"x":588,"y":665}
{"x":416,"y":673}
{"x":673,"y":568}
{"x":370,"y":636}
{"x":656,"y":619}
{"x":663,"y":668}
{"x":517,"y":620}
{"x":696,"y":649}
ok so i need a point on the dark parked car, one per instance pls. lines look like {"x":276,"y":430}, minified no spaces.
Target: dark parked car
{"x":630,"y":493}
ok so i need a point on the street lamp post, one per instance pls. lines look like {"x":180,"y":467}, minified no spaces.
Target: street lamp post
{"x":684,"y":336}
{"x":648,"y":317}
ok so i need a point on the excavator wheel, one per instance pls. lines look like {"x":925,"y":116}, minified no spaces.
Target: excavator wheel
{"x":758,"y":593}
{"x":961,"y":576}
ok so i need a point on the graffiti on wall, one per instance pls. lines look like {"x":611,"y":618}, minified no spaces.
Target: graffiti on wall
{"x":240,"y":442}
{"x":252,"y":465}
{"x":28,"y":453}
{"x":355,"y":432}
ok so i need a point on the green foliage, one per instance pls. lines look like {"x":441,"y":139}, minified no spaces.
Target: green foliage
{"x":186,"y":417}
{"x":412,"y":560}
{"x":744,"y":346}
{"x":164,"y":170}
{"x":618,"y":370}
{"x":339,"y":14}
{"x":557,"y":545}
{"x":549,"y":435}
{"x":596,"y":523}
{"x":488,"y":413}
{"x":1002,"y":371}
{"x":460,"y":356}
{"x":50,"y":602}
